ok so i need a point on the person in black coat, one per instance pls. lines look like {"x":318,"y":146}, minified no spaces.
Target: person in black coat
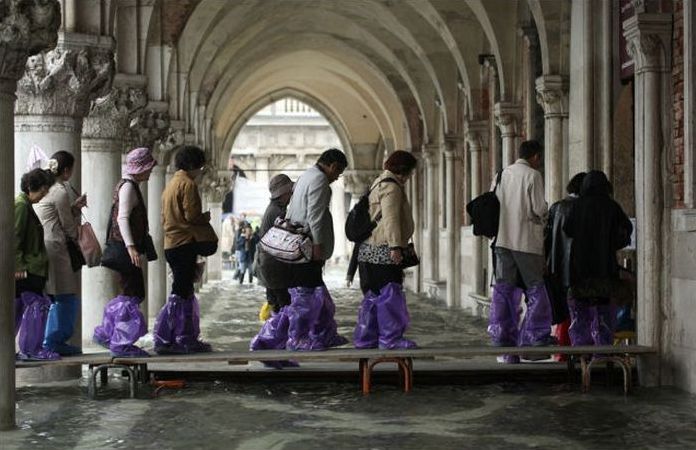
{"x":599,"y":228}
{"x":557,"y":246}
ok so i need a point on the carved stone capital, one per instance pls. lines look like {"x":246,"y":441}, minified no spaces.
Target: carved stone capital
{"x":215,"y":186}
{"x":477,"y":135}
{"x":148,"y":125}
{"x":552,"y":95}
{"x":63,"y":81}
{"x":110,"y":115}
{"x":27,"y":27}
{"x":648,"y":41}
{"x":506,"y":118}
{"x":173,"y":138}
{"x":357,"y":182}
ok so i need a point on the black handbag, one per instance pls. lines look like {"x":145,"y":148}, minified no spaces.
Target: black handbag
{"x":410,"y":257}
{"x":115,"y":256}
{"x":77,"y":259}
{"x":148,"y":248}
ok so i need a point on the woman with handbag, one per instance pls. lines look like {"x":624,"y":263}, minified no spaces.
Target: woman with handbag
{"x":128,"y":248}
{"x":31,"y":268}
{"x":383,"y":315}
{"x":187,"y":235}
{"x":59,"y":212}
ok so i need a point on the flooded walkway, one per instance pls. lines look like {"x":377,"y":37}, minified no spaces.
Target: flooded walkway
{"x":294,"y":415}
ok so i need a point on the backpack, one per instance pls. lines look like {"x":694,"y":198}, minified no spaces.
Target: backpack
{"x":359,"y":224}
{"x":485,"y":212}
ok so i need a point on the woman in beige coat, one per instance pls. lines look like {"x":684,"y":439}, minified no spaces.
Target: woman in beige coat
{"x":383,"y":315}
{"x":59,"y":213}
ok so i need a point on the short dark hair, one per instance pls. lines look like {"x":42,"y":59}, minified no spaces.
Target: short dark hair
{"x":189,"y":157}
{"x":333,"y":155}
{"x":36,"y":179}
{"x":575,"y":183}
{"x":401,"y":162}
{"x":65,"y":161}
{"x":530,"y":148}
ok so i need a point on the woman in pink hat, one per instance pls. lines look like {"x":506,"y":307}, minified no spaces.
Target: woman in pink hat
{"x":123,"y":323}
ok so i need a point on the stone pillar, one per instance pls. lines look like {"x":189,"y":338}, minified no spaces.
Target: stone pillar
{"x":338,"y":211}
{"x":214,"y":187}
{"x":28,"y":28}
{"x":430,"y":269}
{"x":531,"y":50}
{"x":53,"y":98}
{"x":648,"y":38}
{"x":506,"y":118}
{"x":552,"y":95}
{"x":157,"y":270}
{"x":453,"y":145}
{"x":103,"y":145}
{"x":476,"y":138}
{"x":606,"y":108}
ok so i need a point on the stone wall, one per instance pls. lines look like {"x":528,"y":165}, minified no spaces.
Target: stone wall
{"x":678,"y":105}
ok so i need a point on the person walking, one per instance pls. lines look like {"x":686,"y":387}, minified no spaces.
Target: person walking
{"x":557,"y":247}
{"x":383,"y":316}
{"x":519,"y":256}
{"x":59,"y":212}
{"x":123,"y":322}
{"x":311,"y":312}
{"x":187,"y":235}
{"x":599,"y":228}
{"x":31,"y":268}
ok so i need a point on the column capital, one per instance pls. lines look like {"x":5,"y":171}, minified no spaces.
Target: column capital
{"x":63,"y":81}
{"x":110,"y":115}
{"x":149,"y":125}
{"x":552,"y":95}
{"x":215,"y":185}
{"x":358,"y":181}
{"x":26,"y":28}
{"x":477,"y":135}
{"x":174,"y":137}
{"x":454,"y":144}
{"x":506,"y":117}
{"x":648,"y":41}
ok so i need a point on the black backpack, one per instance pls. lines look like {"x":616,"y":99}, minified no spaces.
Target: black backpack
{"x":359,"y":224}
{"x":485,"y":212}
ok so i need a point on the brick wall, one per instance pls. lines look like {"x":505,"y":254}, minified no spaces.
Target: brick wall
{"x":678,"y":103}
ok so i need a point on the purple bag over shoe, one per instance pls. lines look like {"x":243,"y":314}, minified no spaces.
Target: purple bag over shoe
{"x":274,"y":336}
{"x":129,"y":326}
{"x":536,"y":326}
{"x":582,"y":315}
{"x":33,"y":327}
{"x":177,"y":327}
{"x":393,"y":318}
{"x":19,"y":312}
{"x":504,"y":315}
{"x":324,"y":332}
{"x":366,"y":334}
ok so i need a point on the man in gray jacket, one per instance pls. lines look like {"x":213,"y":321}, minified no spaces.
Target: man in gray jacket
{"x":312,"y":326}
{"x":519,"y":252}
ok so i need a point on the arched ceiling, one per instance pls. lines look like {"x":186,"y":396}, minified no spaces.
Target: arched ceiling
{"x":383,"y":71}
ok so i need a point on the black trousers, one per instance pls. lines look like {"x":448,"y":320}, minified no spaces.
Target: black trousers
{"x":277,"y":298}
{"x":32,"y":283}
{"x":307,"y":275}
{"x":182,"y":260}
{"x":373,"y":277}
{"x":131,"y":282}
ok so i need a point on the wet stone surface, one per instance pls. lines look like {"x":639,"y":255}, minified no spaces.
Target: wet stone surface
{"x":320,"y":415}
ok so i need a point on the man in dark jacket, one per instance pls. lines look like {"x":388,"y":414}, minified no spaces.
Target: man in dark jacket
{"x":599,"y":228}
{"x":557,"y":246}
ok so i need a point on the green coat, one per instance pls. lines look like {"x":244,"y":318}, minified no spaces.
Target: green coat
{"x":30,"y":250}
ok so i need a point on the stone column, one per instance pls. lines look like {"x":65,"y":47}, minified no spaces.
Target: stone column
{"x":506,"y":118}
{"x":214,"y":186}
{"x":53,"y":98}
{"x":476,"y":138}
{"x":430,"y":269}
{"x":648,"y":38}
{"x":552,"y":95}
{"x":338,"y":211}
{"x":103,"y":145}
{"x":27,"y":28}
{"x":453,"y":145}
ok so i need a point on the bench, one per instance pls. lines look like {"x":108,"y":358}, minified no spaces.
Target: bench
{"x":367,"y":359}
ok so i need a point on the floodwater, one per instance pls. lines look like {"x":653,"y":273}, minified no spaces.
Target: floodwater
{"x":321,"y":415}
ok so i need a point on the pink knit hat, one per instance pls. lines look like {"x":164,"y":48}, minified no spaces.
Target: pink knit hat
{"x":139,"y":160}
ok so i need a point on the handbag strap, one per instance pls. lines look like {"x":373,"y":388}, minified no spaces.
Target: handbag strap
{"x":378,"y":217}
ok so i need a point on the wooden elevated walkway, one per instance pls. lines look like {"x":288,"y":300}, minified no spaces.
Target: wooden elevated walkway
{"x":367,"y":359}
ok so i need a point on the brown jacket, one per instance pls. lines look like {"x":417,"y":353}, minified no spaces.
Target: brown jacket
{"x":396,"y":226}
{"x":182,"y":218}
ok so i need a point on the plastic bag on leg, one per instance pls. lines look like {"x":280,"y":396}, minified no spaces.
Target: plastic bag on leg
{"x":366,"y":334}
{"x":392,"y":317}
{"x":33,"y":327}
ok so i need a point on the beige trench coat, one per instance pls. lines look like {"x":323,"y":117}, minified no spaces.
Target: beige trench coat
{"x":59,"y":222}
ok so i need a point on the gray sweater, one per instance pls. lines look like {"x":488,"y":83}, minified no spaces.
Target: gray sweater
{"x":309,"y":206}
